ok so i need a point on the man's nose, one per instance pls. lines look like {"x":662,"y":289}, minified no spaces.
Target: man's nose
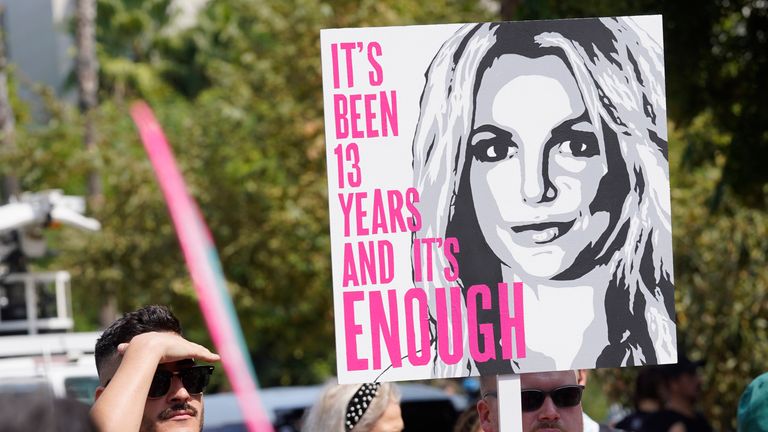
{"x":177,"y":392}
{"x":548,"y":411}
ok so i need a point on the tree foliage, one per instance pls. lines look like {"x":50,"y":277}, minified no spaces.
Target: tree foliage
{"x":239,"y":95}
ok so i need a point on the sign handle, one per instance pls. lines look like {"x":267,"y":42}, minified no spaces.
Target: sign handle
{"x":510,"y":414}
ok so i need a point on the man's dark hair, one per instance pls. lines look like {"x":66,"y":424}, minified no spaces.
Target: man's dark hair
{"x":151,"y":318}
{"x":648,"y":384}
{"x":684,"y":365}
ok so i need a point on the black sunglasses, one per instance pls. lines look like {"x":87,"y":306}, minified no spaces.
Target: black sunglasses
{"x":563,"y":397}
{"x":194,"y":379}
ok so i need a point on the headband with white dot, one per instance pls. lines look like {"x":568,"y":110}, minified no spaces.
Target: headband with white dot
{"x":359,"y":404}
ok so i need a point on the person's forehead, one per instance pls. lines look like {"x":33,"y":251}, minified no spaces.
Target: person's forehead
{"x":510,"y":66}
{"x":547,"y":380}
{"x":177,"y":365}
{"x":111,"y":364}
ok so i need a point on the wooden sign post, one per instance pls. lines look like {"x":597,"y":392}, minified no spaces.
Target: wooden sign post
{"x":510,"y":414}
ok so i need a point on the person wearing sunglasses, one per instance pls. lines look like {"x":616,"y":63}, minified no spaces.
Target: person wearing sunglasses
{"x":148,"y":375}
{"x":549,"y":400}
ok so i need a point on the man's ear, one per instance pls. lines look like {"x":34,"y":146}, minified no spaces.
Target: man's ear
{"x":98,"y":392}
{"x":581,"y":377}
{"x":483,"y":412}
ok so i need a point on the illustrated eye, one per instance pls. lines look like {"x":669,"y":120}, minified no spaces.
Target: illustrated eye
{"x":494,"y":150}
{"x":580,"y":145}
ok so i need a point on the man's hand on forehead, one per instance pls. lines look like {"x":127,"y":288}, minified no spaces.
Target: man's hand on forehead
{"x":171,"y":347}
{"x":139,"y":391}
{"x":181,"y":363}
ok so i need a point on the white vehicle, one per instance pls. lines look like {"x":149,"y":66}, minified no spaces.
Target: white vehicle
{"x":61,"y":364}
{"x":38,"y":351}
{"x":36,"y":302}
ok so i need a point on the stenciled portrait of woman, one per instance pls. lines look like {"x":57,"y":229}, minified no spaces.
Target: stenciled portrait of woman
{"x":541,"y":147}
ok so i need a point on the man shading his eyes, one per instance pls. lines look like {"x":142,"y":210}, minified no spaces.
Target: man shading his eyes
{"x":149,"y":379}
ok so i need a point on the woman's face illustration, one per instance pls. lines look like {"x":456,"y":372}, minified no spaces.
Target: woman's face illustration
{"x":536,"y":164}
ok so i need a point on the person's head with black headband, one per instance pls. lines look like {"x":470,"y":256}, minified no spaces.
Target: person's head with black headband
{"x":148,"y":375}
{"x":549,"y":400}
{"x":370,"y":407}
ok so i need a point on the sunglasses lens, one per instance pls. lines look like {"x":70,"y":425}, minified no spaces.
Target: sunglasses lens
{"x":565,"y":397}
{"x":196,"y":379}
{"x":531,"y":400}
{"x":161,"y":382}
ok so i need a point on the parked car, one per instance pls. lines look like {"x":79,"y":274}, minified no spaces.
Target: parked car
{"x":61,"y":364}
{"x":424,"y":408}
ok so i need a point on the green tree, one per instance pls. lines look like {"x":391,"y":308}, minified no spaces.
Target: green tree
{"x":239,"y":95}
{"x":240,"y":98}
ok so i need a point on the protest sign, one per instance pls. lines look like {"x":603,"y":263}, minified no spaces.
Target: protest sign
{"x":499,"y":197}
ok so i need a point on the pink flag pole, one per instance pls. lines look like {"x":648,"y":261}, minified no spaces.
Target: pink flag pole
{"x":205,"y":269}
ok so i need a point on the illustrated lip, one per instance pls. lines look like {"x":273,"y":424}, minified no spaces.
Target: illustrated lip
{"x":544,"y":232}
